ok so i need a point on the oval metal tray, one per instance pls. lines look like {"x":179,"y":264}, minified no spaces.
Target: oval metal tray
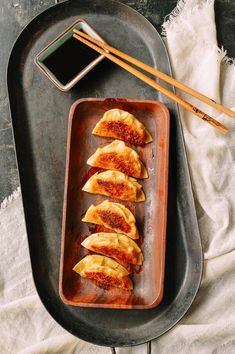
{"x":39,"y":117}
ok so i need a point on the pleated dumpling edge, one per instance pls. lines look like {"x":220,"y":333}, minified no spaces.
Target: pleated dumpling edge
{"x":104,"y":272}
{"x":113,"y":216}
{"x":122,"y":125}
{"x":119,"y":157}
{"x":114,"y":245}
{"x":115,"y":184}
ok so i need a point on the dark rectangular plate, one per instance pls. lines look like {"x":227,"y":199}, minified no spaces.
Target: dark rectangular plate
{"x":39,"y":117}
{"x":150,"y":215}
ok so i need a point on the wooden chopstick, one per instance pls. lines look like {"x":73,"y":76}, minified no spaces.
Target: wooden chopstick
{"x":191,"y":108}
{"x":159,"y":74}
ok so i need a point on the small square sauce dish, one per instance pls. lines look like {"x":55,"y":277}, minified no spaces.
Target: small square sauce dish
{"x":55,"y":59}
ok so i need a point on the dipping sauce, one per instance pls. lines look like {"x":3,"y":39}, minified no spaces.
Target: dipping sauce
{"x":65,"y":61}
{"x":69,"y":59}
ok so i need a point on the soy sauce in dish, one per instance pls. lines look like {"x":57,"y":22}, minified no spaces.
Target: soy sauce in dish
{"x":69,"y":59}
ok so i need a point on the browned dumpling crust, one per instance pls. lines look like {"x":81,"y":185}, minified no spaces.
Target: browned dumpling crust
{"x":119,"y":157}
{"x":104,"y":272}
{"x":113,"y":216}
{"x":122,"y":125}
{"x":117,"y":246}
{"x":115,"y":184}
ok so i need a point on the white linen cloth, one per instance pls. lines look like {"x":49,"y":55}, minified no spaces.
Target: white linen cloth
{"x":209,"y":325}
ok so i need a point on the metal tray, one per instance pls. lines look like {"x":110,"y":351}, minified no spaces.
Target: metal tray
{"x":39,"y":117}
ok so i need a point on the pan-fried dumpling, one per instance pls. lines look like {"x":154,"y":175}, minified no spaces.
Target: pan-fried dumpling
{"x":119,"y":157}
{"x":115,"y":184}
{"x":117,"y":246}
{"x":104,"y":272}
{"x":122,"y":125}
{"x":113,"y":216}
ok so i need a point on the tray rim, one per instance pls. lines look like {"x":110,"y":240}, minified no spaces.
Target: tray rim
{"x":54,"y":315}
{"x":159,"y":296}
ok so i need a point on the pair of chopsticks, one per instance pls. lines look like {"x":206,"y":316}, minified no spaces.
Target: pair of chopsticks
{"x":106,"y":49}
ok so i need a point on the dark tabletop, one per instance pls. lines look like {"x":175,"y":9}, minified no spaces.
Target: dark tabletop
{"x":16,"y":14}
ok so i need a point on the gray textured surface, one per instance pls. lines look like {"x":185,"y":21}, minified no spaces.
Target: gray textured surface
{"x":15,"y":14}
